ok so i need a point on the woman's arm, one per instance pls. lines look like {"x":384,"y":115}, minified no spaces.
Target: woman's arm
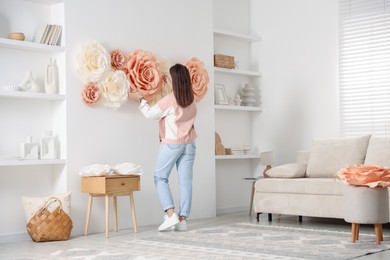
{"x":150,"y":112}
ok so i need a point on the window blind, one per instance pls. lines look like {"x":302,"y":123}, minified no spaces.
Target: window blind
{"x":364,"y":67}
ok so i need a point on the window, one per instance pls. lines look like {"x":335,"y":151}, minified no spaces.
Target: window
{"x":364,"y":67}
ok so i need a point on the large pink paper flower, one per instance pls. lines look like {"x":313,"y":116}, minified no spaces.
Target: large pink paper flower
{"x":118,"y":59}
{"x":199,"y":78}
{"x":165,"y":84}
{"x":365,"y":175}
{"x":91,"y":94}
{"x":143,"y":73}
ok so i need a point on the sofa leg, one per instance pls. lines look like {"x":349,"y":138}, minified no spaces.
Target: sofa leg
{"x":269,"y":217}
{"x":258,"y":216}
{"x":300,"y":219}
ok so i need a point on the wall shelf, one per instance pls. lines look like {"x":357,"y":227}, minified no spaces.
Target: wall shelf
{"x":32,"y":162}
{"x":237,"y":156}
{"x":238,"y":72}
{"x":236,"y":36}
{"x":30,"y":46}
{"x":31,"y":95}
{"x":238,"y":108}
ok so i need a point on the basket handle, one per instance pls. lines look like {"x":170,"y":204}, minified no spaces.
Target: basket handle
{"x":50,"y":201}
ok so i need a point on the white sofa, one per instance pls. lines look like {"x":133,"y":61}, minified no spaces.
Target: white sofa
{"x":308,"y":187}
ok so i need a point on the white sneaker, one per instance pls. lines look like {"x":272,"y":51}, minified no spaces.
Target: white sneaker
{"x":181,"y":226}
{"x":169,"y":222}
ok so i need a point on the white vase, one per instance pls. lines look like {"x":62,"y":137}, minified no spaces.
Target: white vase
{"x":51,"y":77}
{"x":48,"y":146}
{"x":29,"y":83}
{"x":29,"y":150}
{"x":248,"y":95}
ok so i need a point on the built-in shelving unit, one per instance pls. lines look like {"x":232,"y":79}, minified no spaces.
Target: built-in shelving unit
{"x":237,"y":156}
{"x":31,"y":95}
{"x":238,"y":108}
{"x":236,"y":36}
{"x":31,"y":162}
{"x":247,"y":75}
{"x":238,"y":72}
{"x":29,"y":46}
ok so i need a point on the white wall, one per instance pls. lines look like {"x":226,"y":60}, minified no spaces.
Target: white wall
{"x":174,"y":29}
{"x":298,"y":59}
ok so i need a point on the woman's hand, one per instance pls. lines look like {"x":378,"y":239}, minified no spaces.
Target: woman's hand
{"x":136,"y":96}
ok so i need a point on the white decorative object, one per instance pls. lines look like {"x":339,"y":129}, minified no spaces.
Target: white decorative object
{"x":29,"y":83}
{"x":237,"y":100}
{"x":95,"y":170}
{"x":248,"y":95}
{"x":127,"y":169}
{"x":48,"y":146}
{"x":29,"y":150}
{"x":51,"y":77}
{"x":10,"y":88}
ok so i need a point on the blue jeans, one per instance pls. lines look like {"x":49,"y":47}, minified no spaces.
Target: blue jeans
{"x":183,"y":155}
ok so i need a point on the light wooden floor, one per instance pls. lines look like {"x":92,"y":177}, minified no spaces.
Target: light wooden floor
{"x":30,"y":250}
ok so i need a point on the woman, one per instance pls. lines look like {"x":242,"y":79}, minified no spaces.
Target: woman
{"x":176,"y":113}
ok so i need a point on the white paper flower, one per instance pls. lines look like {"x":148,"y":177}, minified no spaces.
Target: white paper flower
{"x":93,"y":62}
{"x":115,"y":89}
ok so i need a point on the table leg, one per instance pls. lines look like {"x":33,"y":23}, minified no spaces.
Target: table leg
{"x":251,"y":202}
{"x":88,"y":214}
{"x":115,"y":213}
{"x":107,"y":213}
{"x":133,"y":212}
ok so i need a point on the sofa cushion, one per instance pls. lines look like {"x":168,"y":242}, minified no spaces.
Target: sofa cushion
{"x":324,"y":186}
{"x":378,"y":152}
{"x":290,"y":170}
{"x":330,"y":155}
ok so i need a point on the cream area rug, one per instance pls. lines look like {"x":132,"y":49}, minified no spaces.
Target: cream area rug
{"x":238,"y":241}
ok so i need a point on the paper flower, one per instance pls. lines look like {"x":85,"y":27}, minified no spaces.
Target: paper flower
{"x":199,"y":78}
{"x":115,"y":89}
{"x":143,"y":73}
{"x":91,"y":94}
{"x":118,"y":59}
{"x":93,"y":62}
{"x":365,"y":175}
{"x":165,"y":84}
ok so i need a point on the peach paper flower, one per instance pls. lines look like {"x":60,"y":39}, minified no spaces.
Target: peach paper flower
{"x":93,"y":62}
{"x":365,"y":175}
{"x":115,"y":89}
{"x":118,"y":59}
{"x":144,"y":73}
{"x":91,"y":94}
{"x":199,"y":78}
{"x":165,"y":84}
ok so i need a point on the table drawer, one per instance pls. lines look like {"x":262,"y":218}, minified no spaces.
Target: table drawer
{"x":122,"y":184}
{"x":110,"y":184}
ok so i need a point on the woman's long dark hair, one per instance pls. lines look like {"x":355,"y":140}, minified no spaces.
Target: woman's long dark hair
{"x":181,"y":85}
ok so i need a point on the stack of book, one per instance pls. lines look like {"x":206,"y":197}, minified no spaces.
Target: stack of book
{"x":49,"y":34}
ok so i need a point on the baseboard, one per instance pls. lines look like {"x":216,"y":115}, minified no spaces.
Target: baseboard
{"x":231,"y":210}
{"x":14,"y":237}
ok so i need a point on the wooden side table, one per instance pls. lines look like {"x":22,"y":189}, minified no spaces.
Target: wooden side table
{"x":110,"y":186}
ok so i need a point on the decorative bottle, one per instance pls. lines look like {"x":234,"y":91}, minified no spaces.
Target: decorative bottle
{"x":48,"y":146}
{"x":29,"y":150}
{"x":29,"y":83}
{"x":51,"y":77}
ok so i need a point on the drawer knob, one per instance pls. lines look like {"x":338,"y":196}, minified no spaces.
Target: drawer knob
{"x":122,"y":184}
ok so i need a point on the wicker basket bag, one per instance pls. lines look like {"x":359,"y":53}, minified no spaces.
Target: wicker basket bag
{"x":50,"y":226}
